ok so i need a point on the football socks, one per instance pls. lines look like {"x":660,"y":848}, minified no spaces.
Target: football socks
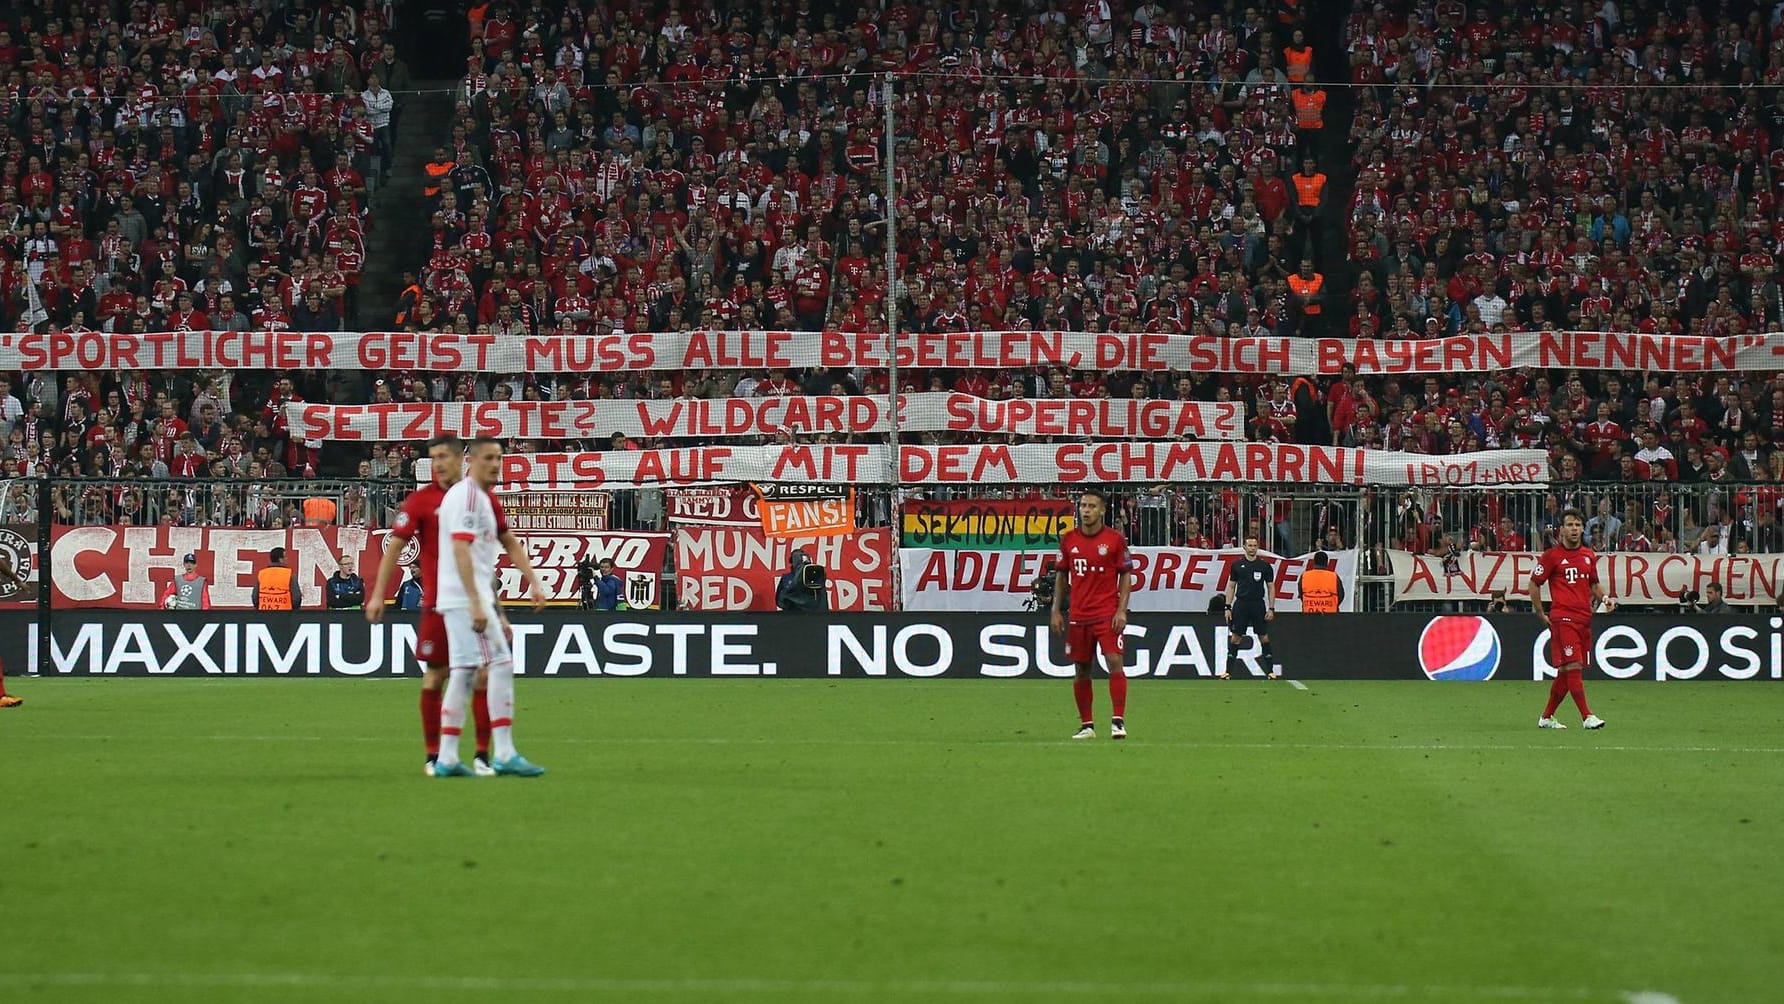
{"x":452,"y":713}
{"x":480,"y":719}
{"x":501,"y":708}
{"x":1576,"y":685}
{"x":430,"y":720}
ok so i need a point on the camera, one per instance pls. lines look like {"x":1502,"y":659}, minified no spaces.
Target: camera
{"x":801,"y":590}
{"x":1040,"y":597}
{"x":585,"y":584}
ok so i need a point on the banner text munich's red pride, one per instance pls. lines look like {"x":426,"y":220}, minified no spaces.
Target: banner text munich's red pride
{"x":1040,"y":463}
{"x":1122,"y":418}
{"x":774,"y":350}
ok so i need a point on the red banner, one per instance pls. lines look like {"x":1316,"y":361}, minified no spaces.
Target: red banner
{"x":727,"y":568}
{"x":714,"y":505}
{"x":131,"y":566}
{"x":100,"y":351}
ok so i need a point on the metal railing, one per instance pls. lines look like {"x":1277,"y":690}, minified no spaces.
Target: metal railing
{"x":1723,"y":517}
{"x":208,"y":502}
{"x":1701,"y":518}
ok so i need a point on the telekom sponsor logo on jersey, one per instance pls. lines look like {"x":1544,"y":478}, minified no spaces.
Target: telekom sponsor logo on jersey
{"x":1459,"y":648}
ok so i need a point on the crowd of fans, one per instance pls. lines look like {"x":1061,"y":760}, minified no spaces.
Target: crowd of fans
{"x":1100,"y":165}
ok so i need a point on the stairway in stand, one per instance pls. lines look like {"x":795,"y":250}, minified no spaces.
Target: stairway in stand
{"x":398,"y":241}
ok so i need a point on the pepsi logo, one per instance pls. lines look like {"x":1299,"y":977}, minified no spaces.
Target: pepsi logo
{"x":1459,"y":648}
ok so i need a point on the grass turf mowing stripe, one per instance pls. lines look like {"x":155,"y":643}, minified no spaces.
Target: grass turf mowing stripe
{"x":949,"y":988}
{"x":954,"y":743}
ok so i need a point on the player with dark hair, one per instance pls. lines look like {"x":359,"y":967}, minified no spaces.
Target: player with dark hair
{"x":1251,"y":606}
{"x":1570,"y":569}
{"x":418,"y":520}
{"x":1093,"y":562}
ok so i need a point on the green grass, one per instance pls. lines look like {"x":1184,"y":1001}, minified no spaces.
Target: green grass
{"x":273,"y":840}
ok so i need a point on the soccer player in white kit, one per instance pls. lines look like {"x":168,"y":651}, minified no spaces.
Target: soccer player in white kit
{"x":473,"y":532}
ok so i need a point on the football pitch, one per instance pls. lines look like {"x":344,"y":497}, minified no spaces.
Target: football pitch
{"x":784,"y":840}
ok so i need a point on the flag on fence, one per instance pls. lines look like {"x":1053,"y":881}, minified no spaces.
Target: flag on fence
{"x":34,"y":312}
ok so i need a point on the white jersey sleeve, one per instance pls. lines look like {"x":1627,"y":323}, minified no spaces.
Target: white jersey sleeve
{"x":467,"y":514}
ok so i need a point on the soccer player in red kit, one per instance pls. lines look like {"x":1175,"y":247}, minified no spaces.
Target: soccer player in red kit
{"x":1571,"y":571}
{"x":417,"y":521}
{"x":1094,"y":562}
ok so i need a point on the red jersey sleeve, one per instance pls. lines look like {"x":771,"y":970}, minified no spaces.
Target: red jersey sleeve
{"x":495,"y":506}
{"x":408,"y":518}
{"x":1542,"y":572}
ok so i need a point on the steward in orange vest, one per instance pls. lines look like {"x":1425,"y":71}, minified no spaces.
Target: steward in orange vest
{"x":407,"y":300}
{"x":437,"y":170}
{"x":1297,"y":59}
{"x":274,"y":587}
{"x":1310,"y":108}
{"x":1310,"y":186}
{"x":1308,"y":288}
{"x":1321,"y":589}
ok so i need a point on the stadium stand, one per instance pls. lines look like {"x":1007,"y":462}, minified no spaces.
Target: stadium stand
{"x":1356,"y":171}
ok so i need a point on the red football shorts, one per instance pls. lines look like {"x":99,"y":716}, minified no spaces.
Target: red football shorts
{"x":1569,"y":642}
{"x":430,"y":641}
{"x":1083,"y":640}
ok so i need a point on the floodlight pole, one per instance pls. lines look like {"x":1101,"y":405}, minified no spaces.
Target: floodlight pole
{"x":891,"y":198}
{"x":892,"y":439}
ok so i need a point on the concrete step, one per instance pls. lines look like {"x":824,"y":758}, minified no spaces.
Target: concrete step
{"x":399,"y":243}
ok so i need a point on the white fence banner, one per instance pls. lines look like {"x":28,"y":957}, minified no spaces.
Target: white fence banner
{"x":1634,"y":578}
{"x":1174,"y":579}
{"x":1041,"y":463}
{"x":935,"y":411}
{"x":702,"y":350}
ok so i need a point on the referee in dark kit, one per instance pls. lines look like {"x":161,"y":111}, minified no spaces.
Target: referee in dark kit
{"x":1251,"y":606}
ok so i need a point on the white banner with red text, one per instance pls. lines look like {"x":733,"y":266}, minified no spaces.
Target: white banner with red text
{"x":1174,"y":579}
{"x":737,"y":568}
{"x":774,"y":350}
{"x":1629,"y":577}
{"x":930,"y":411}
{"x":131,"y":566}
{"x":1040,"y":463}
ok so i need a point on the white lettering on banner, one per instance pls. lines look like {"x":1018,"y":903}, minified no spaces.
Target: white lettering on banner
{"x":737,"y":568}
{"x":997,"y":647}
{"x":555,"y":557}
{"x":131,"y":566}
{"x":1168,"y":579}
{"x":1632,"y":578}
{"x":1039,"y":463}
{"x":936,"y":411}
{"x":465,"y":353}
{"x":1681,"y":652}
{"x":724,"y":505}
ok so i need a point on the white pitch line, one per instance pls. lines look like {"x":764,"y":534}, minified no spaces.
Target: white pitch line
{"x":1560,"y":745}
{"x":1648,"y":997}
{"x":1297,"y":684}
{"x":867,"y":988}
